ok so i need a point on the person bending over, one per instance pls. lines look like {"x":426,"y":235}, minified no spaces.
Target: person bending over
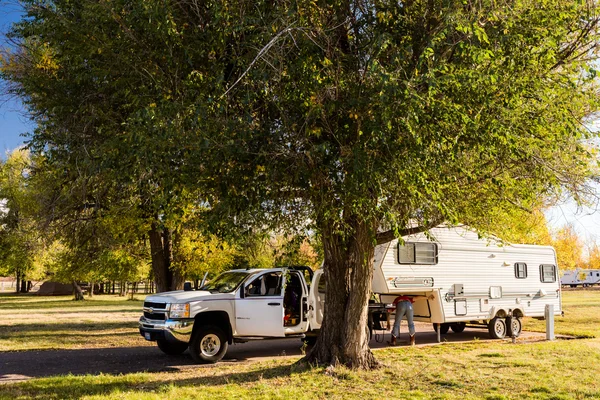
{"x":404,"y":307}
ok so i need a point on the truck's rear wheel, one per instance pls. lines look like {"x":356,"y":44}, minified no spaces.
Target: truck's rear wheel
{"x":172,"y":349}
{"x":458,"y":327}
{"x":208,"y":345}
{"x":310,"y":340}
{"x":443,"y":328}
{"x":497,"y":328}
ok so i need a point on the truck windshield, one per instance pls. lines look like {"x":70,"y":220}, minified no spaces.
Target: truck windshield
{"x":226,"y":282}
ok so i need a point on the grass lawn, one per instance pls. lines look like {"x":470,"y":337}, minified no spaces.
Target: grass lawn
{"x":57,"y":322}
{"x":562,"y":369}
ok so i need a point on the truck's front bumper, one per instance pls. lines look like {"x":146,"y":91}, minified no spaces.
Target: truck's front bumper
{"x":171,"y":330}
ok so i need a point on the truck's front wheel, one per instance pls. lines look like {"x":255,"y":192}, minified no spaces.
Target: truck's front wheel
{"x":172,"y":349}
{"x":208,"y":345}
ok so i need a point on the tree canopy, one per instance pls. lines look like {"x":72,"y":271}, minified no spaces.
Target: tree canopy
{"x":358,"y":120}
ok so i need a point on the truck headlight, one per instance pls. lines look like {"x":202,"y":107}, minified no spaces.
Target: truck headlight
{"x":180,"y":310}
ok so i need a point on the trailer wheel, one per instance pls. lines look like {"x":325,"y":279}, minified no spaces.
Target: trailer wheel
{"x":443,"y":328}
{"x":458,"y":327}
{"x":514,"y":329}
{"x":497,"y":328}
{"x":172,"y":349}
{"x":208,"y":345}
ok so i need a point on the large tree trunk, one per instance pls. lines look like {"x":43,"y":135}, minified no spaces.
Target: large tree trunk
{"x":162,"y":255}
{"x":344,"y":337}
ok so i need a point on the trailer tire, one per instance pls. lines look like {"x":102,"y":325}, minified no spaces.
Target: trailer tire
{"x":443,"y":328}
{"x":497,"y":328}
{"x":172,"y":349}
{"x":514,"y":329}
{"x":458,"y":327}
{"x":208,"y":345}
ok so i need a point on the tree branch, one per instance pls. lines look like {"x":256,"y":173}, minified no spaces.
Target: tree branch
{"x":388,"y":236}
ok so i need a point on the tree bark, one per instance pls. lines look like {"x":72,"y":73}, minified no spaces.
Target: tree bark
{"x":23,"y":285}
{"x":18,"y":285}
{"x":91,"y":295}
{"x":161,"y":248}
{"x":344,"y":337}
{"x":77,"y":291}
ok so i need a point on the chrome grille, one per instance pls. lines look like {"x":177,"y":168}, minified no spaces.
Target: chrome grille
{"x":150,"y":304}
{"x":156,"y":315}
{"x":156,"y":311}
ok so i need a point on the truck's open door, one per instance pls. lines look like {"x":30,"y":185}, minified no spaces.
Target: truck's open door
{"x":259,"y":312}
{"x":316,"y":300}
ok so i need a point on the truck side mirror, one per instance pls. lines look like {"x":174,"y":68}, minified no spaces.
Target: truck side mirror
{"x":187,"y":286}
{"x":242,"y":292}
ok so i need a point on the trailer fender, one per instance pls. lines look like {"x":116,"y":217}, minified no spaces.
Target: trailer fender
{"x":497,"y":312}
{"x":518,"y":312}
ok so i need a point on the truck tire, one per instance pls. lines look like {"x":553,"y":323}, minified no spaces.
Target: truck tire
{"x":458,"y":327}
{"x":310,"y":340}
{"x":208,"y":344}
{"x":497,"y":328}
{"x":172,"y":349}
{"x":443,"y":328}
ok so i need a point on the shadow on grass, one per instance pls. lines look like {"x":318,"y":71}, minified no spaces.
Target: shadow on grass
{"x":60,"y":327}
{"x":61,"y":368}
{"x":72,"y":387}
{"x":125,"y":360}
{"x":42,"y":303}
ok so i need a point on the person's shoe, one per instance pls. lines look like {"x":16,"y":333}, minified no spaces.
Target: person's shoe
{"x":392,"y":342}
{"x":412,"y":340}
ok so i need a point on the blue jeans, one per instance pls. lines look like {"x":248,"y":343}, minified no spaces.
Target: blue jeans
{"x":404,"y":308}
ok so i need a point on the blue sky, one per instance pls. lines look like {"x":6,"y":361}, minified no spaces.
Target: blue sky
{"x":14,"y":123}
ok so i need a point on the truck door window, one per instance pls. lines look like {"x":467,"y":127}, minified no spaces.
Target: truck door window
{"x":265,"y":285}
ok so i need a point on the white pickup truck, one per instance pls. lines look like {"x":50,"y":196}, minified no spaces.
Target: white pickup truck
{"x":236,"y":306}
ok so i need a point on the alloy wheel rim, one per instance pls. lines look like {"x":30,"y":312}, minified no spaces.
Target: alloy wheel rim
{"x":210,"y":345}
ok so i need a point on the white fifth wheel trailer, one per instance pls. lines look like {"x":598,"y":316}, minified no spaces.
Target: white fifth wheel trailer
{"x":474,"y":281}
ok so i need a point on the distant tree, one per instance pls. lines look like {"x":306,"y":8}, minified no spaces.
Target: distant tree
{"x":520,"y":226}
{"x":593,"y":261}
{"x":296,"y":250}
{"x":21,"y":242}
{"x":569,"y":248}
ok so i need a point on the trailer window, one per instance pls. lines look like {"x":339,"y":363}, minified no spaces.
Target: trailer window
{"x":417,"y":253}
{"x":547,"y":273}
{"x":521,"y":270}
